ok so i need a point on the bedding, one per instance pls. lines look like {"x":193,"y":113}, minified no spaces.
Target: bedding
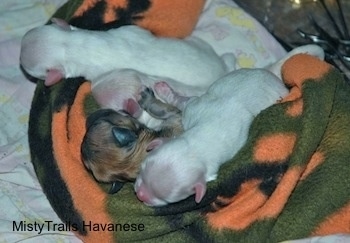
{"x":58,"y":189}
{"x":21,"y":196}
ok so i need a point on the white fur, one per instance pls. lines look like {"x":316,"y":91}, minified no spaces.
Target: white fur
{"x":112,"y":89}
{"x":216,"y":126}
{"x":76,"y":52}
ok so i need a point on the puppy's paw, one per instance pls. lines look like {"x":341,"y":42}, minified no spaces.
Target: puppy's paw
{"x":164,"y":91}
{"x":146,"y":97}
{"x":168,"y":95}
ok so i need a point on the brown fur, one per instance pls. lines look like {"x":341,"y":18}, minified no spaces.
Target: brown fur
{"x":104,"y":158}
{"x":107,"y":161}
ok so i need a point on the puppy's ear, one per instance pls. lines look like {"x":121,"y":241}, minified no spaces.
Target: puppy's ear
{"x":155,"y":143}
{"x":200,"y":188}
{"x":123,"y":136}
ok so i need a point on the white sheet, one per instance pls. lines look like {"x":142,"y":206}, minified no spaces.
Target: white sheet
{"x":21,"y":197}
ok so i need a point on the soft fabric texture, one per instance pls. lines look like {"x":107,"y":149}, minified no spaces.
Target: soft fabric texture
{"x":164,"y":18}
{"x":289,"y":181}
{"x":21,"y":195}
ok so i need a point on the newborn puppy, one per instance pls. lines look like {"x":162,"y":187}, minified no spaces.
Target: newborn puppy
{"x":116,"y":143}
{"x":216,"y":126}
{"x":57,"y":51}
{"x":113,"y":146}
{"x":120,"y":89}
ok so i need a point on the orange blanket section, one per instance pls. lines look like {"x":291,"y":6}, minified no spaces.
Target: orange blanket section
{"x":176,"y":18}
{"x":66,"y":146}
{"x":249,"y":204}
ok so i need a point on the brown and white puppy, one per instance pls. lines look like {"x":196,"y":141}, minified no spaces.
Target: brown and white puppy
{"x":116,"y":143}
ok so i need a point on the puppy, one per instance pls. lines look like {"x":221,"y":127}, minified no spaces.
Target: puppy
{"x":120,"y":89}
{"x":102,"y":151}
{"x":115,"y":143}
{"x":57,"y":51}
{"x":215,"y":127}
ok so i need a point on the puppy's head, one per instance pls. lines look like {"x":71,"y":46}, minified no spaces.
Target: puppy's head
{"x":43,"y":52}
{"x":170,"y":174}
{"x":115,"y":145}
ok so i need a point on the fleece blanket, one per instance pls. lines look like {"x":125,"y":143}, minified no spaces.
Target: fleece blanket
{"x":164,"y":18}
{"x":291,"y":179}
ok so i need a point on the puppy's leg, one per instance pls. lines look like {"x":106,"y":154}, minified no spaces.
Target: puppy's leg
{"x":172,"y":125}
{"x":165,"y":92}
{"x":155,"y":107}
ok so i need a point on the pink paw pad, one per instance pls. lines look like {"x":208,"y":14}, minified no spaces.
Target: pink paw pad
{"x":163,"y":90}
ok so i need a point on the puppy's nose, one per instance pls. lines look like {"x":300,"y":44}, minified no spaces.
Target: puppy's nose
{"x":142,"y":194}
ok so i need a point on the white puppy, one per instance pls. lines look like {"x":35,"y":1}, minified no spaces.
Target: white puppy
{"x":55,"y":51}
{"x":216,"y":126}
{"x":119,"y":88}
